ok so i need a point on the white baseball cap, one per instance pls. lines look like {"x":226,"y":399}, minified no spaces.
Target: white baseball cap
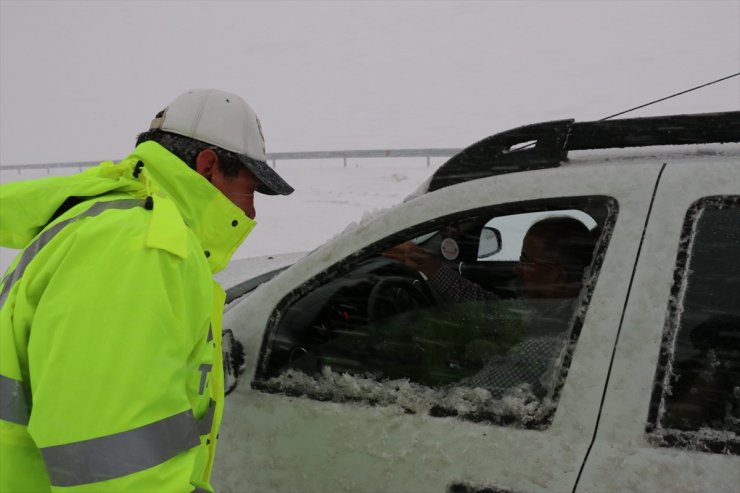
{"x":224,"y":120}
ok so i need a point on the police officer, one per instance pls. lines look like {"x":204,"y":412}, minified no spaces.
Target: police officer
{"x":110,"y":354}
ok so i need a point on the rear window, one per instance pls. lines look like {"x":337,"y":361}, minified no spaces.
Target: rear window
{"x":696,"y":397}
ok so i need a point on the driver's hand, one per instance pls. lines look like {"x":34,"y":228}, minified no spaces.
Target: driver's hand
{"x":415,"y":257}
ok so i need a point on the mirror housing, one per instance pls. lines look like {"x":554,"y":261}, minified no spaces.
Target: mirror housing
{"x":490,"y":242}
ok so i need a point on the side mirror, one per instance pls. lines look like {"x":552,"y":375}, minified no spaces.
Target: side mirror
{"x":490,"y":242}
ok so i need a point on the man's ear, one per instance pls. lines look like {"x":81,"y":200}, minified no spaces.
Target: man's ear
{"x":206,"y":162}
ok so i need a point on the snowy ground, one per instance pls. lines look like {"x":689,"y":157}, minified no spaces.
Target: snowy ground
{"x":349,"y":75}
{"x":328,"y":197}
{"x":328,"y":75}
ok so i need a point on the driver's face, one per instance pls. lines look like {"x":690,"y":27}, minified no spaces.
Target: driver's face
{"x":450,"y":231}
{"x":539,"y":269}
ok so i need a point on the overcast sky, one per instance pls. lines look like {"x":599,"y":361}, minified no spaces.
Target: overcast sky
{"x":79,"y":80}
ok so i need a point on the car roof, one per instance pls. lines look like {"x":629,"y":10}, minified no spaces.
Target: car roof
{"x":547,"y":144}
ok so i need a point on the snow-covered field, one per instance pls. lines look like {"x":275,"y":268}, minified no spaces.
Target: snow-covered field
{"x":79,"y":80}
{"x":327,"y":199}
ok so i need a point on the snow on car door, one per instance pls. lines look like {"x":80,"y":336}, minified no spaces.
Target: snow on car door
{"x":335,"y":431}
{"x":669,"y":420}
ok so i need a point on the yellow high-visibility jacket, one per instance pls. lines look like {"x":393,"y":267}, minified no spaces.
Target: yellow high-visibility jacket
{"x":111,"y":374}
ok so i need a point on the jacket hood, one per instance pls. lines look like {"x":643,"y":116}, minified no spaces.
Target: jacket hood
{"x":180,"y":197}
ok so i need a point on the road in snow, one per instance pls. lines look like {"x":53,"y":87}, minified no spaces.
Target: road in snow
{"x":328,"y":197}
{"x":349,"y":75}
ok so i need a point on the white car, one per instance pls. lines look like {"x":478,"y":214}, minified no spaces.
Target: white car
{"x":357,"y":378}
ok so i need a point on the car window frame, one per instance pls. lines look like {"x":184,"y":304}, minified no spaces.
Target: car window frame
{"x":610,"y":214}
{"x":657,"y":433}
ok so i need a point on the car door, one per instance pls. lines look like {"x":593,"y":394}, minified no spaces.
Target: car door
{"x":669,"y":420}
{"x":335,"y":431}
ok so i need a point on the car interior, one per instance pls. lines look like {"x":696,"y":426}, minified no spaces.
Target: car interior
{"x":376,"y":317}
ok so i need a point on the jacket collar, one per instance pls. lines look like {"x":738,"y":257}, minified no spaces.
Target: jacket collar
{"x":181,"y":198}
{"x":219,"y":224}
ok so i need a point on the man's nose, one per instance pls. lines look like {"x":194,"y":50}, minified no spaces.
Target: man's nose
{"x":246,"y":203}
{"x":250,"y":211}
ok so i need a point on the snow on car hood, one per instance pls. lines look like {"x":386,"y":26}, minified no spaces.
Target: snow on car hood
{"x":241,"y":270}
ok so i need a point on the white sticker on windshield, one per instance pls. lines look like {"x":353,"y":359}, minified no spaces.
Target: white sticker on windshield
{"x":450,"y":249}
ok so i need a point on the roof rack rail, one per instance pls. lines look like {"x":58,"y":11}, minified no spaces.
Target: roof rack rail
{"x":549,"y":143}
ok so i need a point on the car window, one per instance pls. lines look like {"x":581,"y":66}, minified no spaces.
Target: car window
{"x":377,"y":330}
{"x":696,"y":398}
{"x":513,"y":229}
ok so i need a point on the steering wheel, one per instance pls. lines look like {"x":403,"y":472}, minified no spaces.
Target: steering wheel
{"x":397,"y":294}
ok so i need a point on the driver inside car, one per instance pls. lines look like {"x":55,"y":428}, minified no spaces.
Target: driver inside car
{"x":555,"y":253}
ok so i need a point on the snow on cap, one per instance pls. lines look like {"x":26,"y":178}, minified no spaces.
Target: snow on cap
{"x":224,"y":120}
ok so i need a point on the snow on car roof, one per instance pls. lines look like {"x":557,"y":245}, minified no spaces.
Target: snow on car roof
{"x":722,"y":152}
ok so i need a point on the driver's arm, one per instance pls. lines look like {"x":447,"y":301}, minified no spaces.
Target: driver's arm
{"x":454,"y":288}
{"x":415,"y":257}
{"x":451,"y":286}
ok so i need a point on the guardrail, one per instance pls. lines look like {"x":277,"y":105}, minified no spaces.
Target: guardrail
{"x":280,"y":156}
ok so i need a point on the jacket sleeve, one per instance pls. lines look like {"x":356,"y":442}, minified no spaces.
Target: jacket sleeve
{"x":119,"y":353}
{"x":454,"y":288}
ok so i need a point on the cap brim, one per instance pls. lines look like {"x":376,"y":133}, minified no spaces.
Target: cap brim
{"x":270,"y":182}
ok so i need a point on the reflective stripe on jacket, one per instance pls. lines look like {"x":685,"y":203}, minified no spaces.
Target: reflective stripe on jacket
{"x":110,"y":327}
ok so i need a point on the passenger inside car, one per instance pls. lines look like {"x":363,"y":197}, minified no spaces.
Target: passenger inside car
{"x":392,"y":321}
{"x":555,"y":253}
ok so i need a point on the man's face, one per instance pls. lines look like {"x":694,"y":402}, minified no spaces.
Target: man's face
{"x":239,"y":189}
{"x":542,"y":275}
